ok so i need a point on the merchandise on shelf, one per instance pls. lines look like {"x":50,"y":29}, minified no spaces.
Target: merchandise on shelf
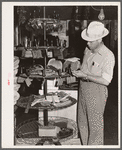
{"x":16,"y":86}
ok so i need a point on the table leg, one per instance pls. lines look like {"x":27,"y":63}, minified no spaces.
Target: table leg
{"x":45,"y":115}
{"x":50,"y":141}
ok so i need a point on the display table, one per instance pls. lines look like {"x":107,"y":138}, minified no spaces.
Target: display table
{"x":25,"y":102}
{"x":31,"y":132}
{"x":50,"y":77}
{"x":68,"y":112}
{"x":30,"y":128}
{"x":28,"y":131}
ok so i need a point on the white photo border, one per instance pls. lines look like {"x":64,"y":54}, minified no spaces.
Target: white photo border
{"x":7,"y":104}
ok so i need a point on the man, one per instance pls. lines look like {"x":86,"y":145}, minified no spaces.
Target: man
{"x":95,"y":74}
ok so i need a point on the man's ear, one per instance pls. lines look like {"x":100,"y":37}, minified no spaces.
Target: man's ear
{"x":100,"y":40}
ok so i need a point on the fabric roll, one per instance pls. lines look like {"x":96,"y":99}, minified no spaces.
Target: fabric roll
{"x":66,"y":65}
{"x":75,"y":65}
{"x":16,"y":67}
{"x":20,"y":79}
{"x":15,"y":58}
{"x":16,"y":63}
{"x":16,"y":96}
{"x":15,"y":71}
{"x":16,"y":87}
{"x":15,"y":80}
{"x":55,"y":63}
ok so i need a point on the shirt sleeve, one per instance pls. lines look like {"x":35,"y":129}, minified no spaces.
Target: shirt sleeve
{"x":108,"y":66}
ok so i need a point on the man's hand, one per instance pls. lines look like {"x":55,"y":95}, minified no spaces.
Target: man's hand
{"x":79,"y":74}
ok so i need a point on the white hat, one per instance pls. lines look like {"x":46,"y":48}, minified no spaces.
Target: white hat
{"x":55,"y":63}
{"x":94,"y":31}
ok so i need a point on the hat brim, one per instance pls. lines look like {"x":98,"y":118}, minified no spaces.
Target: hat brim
{"x":86,"y":38}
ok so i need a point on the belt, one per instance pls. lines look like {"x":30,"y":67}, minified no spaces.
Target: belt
{"x":85,"y":80}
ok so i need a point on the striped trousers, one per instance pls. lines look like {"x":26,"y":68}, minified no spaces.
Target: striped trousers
{"x":91,"y":103}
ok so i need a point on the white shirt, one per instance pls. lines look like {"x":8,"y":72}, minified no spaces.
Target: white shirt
{"x":100,"y":63}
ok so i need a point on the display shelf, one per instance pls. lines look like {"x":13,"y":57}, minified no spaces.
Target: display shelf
{"x":23,"y":102}
{"x":28,"y":131}
{"x":43,"y":47}
{"x":53,"y":76}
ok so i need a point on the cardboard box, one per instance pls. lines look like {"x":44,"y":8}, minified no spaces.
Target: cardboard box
{"x":48,"y":131}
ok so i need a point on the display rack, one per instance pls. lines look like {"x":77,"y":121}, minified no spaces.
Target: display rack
{"x":28,"y":100}
{"x":27,"y":131}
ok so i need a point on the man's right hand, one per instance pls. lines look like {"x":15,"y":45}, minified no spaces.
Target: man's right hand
{"x":79,"y":74}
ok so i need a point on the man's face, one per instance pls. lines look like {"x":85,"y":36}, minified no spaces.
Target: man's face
{"x":92,"y":45}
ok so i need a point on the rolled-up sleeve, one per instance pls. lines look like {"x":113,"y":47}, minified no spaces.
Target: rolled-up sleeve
{"x":108,"y":67}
